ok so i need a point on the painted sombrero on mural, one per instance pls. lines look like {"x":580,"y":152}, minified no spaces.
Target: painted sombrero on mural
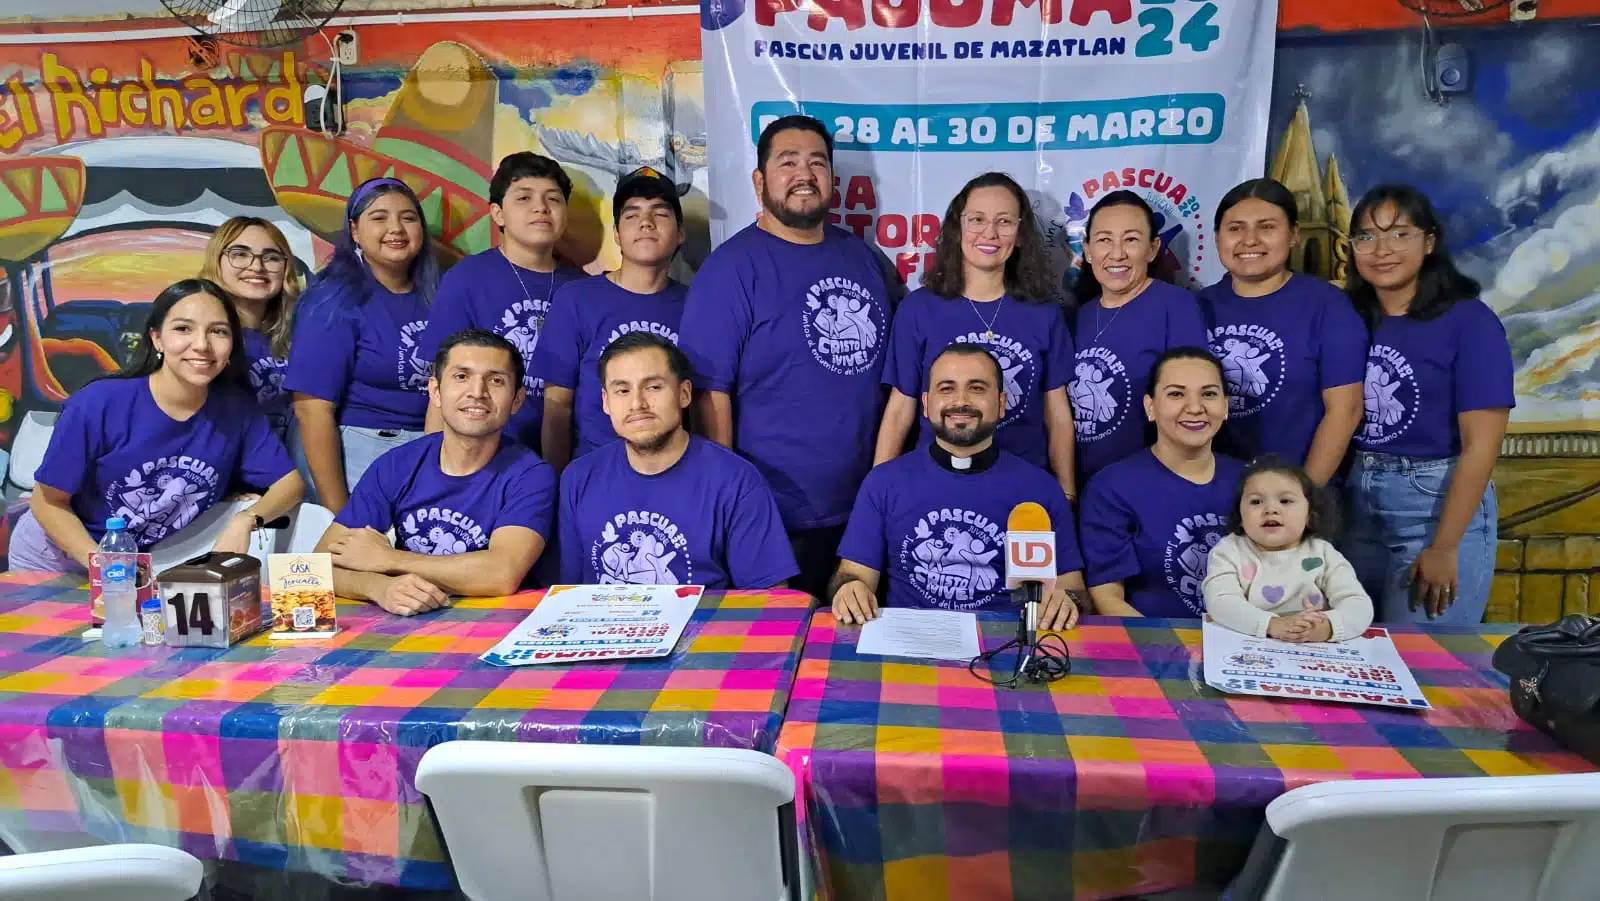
{"x":438,"y":137}
{"x":39,"y":198}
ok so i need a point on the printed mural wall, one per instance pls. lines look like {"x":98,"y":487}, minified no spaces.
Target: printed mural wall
{"x":116,"y":160}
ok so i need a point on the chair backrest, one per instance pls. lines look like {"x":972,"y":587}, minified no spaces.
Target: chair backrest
{"x":27,"y":449}
{"x":120,"y":872}
{"x":1516,"y":838}
{"x":310,"y":521}
{"x":547,"y":822}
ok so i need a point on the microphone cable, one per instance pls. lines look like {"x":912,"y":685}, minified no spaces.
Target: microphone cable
{"x":1046,"y":660}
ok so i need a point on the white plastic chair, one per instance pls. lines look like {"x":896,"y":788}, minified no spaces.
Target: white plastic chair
{"x":548,"y":822}
{"x":1517,"y":838}
{"x":27,"y":449}
{"x":122,"y":872}
{"x":306,"y":524}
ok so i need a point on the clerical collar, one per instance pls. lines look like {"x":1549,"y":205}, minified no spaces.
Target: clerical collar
{"x":966,"y":466}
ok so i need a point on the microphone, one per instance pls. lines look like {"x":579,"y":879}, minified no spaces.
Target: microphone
{"x":1030,"y":566}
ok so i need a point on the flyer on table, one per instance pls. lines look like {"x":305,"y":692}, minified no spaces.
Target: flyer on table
{"x":599,"y":622}
{"x":1365,"y":670}
{"x":1074,"y":99}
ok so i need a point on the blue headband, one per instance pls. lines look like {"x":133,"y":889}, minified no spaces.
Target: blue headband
{"x":367,"y":187}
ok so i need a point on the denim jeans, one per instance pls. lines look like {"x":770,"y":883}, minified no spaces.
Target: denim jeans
{"x":1392,"y":509}
{"x":359,"y":447}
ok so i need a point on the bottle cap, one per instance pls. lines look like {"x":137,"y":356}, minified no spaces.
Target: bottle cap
{"x":152,"y":604}
{"x":116,"y":523}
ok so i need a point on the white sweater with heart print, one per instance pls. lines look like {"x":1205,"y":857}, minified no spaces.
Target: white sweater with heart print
{"x":1246,"y":587}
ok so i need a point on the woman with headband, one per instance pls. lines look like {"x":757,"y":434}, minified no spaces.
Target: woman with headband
{"x":360,"y":383}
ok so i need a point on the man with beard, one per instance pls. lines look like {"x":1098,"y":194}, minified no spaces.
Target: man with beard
{"x":935,"y":521}
{"x":662,"y":506}
{"x":471,"y":511}
{"x":786,"y":322}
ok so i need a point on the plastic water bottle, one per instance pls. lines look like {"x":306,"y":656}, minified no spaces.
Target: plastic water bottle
{"x":119,"y":586}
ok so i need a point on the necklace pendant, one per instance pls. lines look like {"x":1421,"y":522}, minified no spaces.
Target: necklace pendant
{"x":988,"y":336}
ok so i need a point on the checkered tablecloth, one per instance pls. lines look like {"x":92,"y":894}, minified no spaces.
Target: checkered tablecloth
{"x":302,"y":756}
{"x":1129,"y":776}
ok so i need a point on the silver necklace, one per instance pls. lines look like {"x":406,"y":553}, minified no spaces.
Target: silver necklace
{"x":549,"y":288}
{"x":1101,"y":329}
{"x":988,"y":326}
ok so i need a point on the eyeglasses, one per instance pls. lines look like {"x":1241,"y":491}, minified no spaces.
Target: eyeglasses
{"x":241,"y":258}
{"x":1398,"y":238}
{"x":978,"y":224}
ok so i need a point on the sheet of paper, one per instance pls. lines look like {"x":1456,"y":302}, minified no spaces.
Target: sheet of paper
{"x":599,"y":622}
{"x":1365,"y":670}
{"x":929,"y":634}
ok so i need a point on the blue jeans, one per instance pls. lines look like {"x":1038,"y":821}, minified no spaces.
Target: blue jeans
{"x":1393,"y":506}
{"x":359,"y":447}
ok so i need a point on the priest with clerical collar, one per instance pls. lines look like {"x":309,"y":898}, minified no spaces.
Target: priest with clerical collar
{"x":934,"y":521}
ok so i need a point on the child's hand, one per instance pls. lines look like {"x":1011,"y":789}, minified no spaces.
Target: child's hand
{"x":1318,"y":626}
{"x":1288,"y":628}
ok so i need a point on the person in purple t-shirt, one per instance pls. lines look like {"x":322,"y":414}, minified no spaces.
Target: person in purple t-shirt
{"x":992,"y":286}
{"x":1149,"y":522}
{"x":929,"y":527}
{"x":588,"y":314}
{"x":786,"y":324}
{"x":251,"y":260}
{"x":471,"y":511}
{"x":1291,"y":345}
{"x":1126,"y":319}
{"x":158,"y":443}
{"x":661,"y":507}
{"x":1438,"y":391}
{"x":508,"y":289}
{"x":358,"y":375}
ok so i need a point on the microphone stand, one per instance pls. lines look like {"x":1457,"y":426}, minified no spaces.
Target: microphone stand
{"x":1028,"y":595}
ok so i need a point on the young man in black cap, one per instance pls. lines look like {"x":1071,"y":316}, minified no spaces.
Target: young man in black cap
{"x":588,"y":314}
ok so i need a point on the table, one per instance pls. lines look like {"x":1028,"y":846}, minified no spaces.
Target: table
{"x":303,"y":756}
{"x":1129,"y":776}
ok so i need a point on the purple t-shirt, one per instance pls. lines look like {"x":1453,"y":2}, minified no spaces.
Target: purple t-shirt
{"x":437,"y":514}
{"x":1279,"y":353}
{"x":1115,"y":350}
{"x":267,"y":373}
{"x":938,"y":537}
{"x":488,"y":291}
{"x":585,"y":317}
{"x":795,"y":334}
{"x":708,"y":520}
{"x":1421,"y":374}
{"x":118,"y":454}
{"x":1153,"y":530}
{"x":1031,"y":342}
{"x":365,"y":360}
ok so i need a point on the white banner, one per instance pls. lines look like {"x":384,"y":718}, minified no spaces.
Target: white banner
{"x":1073,"y":98}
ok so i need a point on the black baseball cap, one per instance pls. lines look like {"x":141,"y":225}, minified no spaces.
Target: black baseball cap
{"x":648,"y":183}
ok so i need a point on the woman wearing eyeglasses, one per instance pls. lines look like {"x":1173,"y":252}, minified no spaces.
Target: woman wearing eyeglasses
{"x":250,"y":258}
{"x":1438,"y":393}
{"x":992,"y":287}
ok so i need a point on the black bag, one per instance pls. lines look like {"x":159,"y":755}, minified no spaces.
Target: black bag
{"x":1555,"y":680}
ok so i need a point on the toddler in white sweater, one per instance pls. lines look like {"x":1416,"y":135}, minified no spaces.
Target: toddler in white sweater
{"x":1273,"y":576}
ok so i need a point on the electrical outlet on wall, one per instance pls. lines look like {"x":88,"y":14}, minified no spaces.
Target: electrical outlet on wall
{"x":345,"y":45}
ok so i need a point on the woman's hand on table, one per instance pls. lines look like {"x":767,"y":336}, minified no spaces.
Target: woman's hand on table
{"x":409,"y":594}
{"x":1058,"y":612}
{"x":854,"y":603}
{"x":235,"y":537}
